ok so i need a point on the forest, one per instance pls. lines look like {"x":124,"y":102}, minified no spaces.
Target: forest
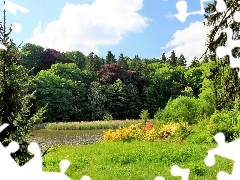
{"x":86,"y":88}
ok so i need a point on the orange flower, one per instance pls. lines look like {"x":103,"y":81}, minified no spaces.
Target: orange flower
{"x":148,"y":126}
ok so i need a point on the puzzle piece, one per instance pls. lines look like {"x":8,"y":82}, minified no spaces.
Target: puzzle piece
{"x":177,"y":171}
{"x":226,"y":150}
{"x":181,"y":6}
{"x":32,"y":169}
{"x":222,"y":51}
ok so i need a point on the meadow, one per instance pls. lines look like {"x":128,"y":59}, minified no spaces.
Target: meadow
{"x":141,"y":151}
{"x":135,"y":160}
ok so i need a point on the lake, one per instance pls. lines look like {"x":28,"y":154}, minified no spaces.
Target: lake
{"x":46,"y":138}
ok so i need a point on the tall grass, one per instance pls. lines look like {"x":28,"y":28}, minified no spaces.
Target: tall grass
{"x":90,"y":125}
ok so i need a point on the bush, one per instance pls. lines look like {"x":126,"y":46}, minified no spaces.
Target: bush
{"x":226,"y":122}
{"x":144,"y":115}
{"x":182,"y":108}
{"x":140,"y":132}
{"x":107,"y":117}
{"x":199,"y":133}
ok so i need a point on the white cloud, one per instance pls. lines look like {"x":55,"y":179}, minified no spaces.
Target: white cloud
{"x":189,"y":41}
{"x":85,"y":27}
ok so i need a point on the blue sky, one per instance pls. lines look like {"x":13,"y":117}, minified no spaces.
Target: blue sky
{"x":131,"y":27}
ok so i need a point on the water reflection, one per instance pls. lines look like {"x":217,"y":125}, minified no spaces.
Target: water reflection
{"x":46,"y":138}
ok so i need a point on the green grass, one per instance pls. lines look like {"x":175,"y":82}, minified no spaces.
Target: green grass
{"x":138,"y":160}
{"x":90,"y":125}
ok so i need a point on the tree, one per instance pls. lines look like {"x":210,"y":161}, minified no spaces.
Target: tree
{"x":122,"y":61}
{"x":109,"y":73}
{"x":78,"y":58}
{"x":136,"y":64}
{"x":181,"y":61}
{"x":110,"y":58}
{"x":194,"y":79}
{"x":61,"y":87}
{"x":97,"y":99}
{"x":205,"y":59}
{"x":49,"y":57}
{"x":163,"y":83}
{"x":31,"y":56}
{"x":172,"y":60}
{"x":195,"y":63}
{"x":14,"y":98}
{"x":225,"y":79}
{"x":163,"y":58}
{"x":122,"y":100}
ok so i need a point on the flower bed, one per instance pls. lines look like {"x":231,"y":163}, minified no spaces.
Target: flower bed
{"x":146,"y":131}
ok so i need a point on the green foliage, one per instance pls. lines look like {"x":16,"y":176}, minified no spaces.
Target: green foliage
{"x":144,"y":115}
{"x":110,"y":58}
{"x":78,"y":58}
{"x":183,"y":108}
{"x":163,"y":83}
{"x":181,"y":61}
{"x":97,"y":99}
{"x":61,"y":88}
{"x":226,"y":122}
{"x":194,"y":79}
{"x":172,"y":60}
{"x":30,"y":57}
{"x":122,"y":100}
{"x":195,"y":63}
{"x":107,"y":117}
{"x":15,"y":99}
{"x":199,"y":133}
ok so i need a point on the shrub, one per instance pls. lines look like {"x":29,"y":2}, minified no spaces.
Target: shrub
{"x":107,"y":117}
{"x":182,"y":108}
{"x":226,"y":122}
{"x":138,"y":132}
{"x":144,"y":115}
{"x":199,"y":133}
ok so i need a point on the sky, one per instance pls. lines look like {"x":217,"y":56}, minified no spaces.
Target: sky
{"x":146,"y":28}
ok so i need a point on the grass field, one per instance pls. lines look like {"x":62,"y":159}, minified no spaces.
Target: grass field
{"x":138,"y":160}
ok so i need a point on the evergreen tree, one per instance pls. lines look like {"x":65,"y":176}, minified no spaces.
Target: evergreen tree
{"x":195,"y":63}
{"x":163,"y":58}
{"x":122,"y":61}
{"x":181,"y":61}
{"x":136,"y":64}
{"x":173,"y":59}
{"x":224,"y":79}
{"x":110,"y":58}
{"x":205,"y":59}
{"x":90,"y":63}
{"x":15,"y":98}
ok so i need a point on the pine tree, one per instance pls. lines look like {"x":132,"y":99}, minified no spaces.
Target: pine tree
{"x":205,"y":59}
{"x":195,"y":63}
{"x":173,"y":59}
{"x":181,"y":61}
{"x":225,"y":79}
{"x":163,"y":58}
{"x":122,"y":61}
{"x":15,"y":105}
{"x":110,"y":58}
{"x":90,"y":63}
{"x":136,"y":63}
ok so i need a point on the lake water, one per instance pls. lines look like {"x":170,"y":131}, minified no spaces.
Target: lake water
{"x":46,"y":138}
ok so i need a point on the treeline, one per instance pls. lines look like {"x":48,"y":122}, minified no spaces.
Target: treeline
{"x":78,"y":87}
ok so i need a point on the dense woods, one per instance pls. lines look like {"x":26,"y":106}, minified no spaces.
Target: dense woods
{"x":84,"y":88}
